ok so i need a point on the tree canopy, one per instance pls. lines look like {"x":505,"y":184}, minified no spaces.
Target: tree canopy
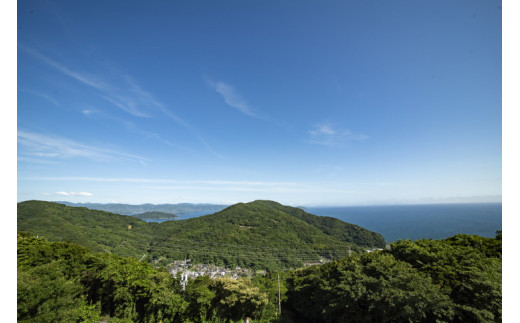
{"x":458,"y":279}
{"x":453,"y":280}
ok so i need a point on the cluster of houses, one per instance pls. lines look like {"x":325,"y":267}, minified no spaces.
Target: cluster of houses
{"x":374,"y":249}
{"x":189,"y":270}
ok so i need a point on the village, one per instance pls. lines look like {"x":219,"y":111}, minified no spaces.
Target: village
{"x":192,"y":271}
{"x":189,"y":270}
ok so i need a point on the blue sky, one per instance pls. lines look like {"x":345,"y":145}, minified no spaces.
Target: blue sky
{"x":302,"y":102}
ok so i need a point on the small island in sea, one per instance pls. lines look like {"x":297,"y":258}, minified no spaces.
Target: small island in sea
{"x":155,"y":215}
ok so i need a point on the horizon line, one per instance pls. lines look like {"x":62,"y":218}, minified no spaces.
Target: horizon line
{"x":296,"y":205}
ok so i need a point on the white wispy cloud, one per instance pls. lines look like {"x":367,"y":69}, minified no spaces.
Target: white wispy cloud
{"x":214,"y":185}
{"x":330,"y":135}
{"x":83,"y":78}
{"x":74,"y":193}
{"x":127,"y":104}
{"x":153,"y":180}
{"x":49,"y":146}
{"x":232,"y":98}
{"x":125,"y":94}
{"x":96,"y":113}
{"x":273,"y":189}
{"x":33,"y":160}
{"x":44,"y":96}
{"x":333,"y":186}
{"x":147,"y":97}
{"x":118,"y":96}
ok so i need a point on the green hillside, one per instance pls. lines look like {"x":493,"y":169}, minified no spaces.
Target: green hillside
{"x":331,"y":226}
{"x":260,"y":234}
{"x":98,"y":230}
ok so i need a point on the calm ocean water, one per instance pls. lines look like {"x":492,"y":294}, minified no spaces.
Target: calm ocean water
{"x":434,"y":221}
{"x":182,"y":216}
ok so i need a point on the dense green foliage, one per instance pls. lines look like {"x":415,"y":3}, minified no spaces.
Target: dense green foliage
{"x":155,"y":215}
{"x":334,"y":227}
{"x":98,"y":230}
{"x":260,"y":234}
{"x":63,"y":282}
{"x":454,"y":280}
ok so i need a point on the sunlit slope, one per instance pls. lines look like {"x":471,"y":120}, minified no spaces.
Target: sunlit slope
{"x":260,"y":234}
{"x":98,"y":230}
{"x":336,"y":228}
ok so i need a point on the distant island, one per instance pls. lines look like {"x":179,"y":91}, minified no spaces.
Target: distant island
{"x":137,"y":209}
{"x":156,"y":215}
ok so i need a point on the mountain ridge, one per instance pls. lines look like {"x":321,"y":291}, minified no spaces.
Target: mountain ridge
{"x":259,"y":234}
{"x":133,"y":209}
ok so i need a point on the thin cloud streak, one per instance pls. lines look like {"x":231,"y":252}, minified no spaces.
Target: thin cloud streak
{"x":329,"y":135}
{"x":110,"y":93}
{"x":74,"y":193}
{"x":213,"y":185}
{"x":251,"y":189}
{"x":306,"y":186}
{"x":49,"y":146}
{"x":77,"y":76}
{"x":131,"y":99}
{"x":232,"y":98}
{"x":26,"y":159}
{"x":94,"y":113}
{"x":44,"y":96}
{"x":147,"y":180}
{"x":126,"y":105}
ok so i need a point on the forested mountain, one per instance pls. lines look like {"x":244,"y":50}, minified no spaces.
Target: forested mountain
{"x":334,"y":227}
{"x":132,"y":209}
{"x":98,"y":230}
{"x":260,"y":234}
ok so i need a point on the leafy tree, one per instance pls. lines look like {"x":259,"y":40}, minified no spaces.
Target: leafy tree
{"x":467,"y":268}
{"x":89,"y":313}
{"x":63,"y":282}
{"x":369,"y":288}
{"x":235,"y":299}
{"x":44,"y":294}
{"x":200,"y":298}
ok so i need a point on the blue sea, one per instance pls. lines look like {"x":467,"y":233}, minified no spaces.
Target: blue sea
{"x":181,"y":216}
{"x":434,"y":221}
